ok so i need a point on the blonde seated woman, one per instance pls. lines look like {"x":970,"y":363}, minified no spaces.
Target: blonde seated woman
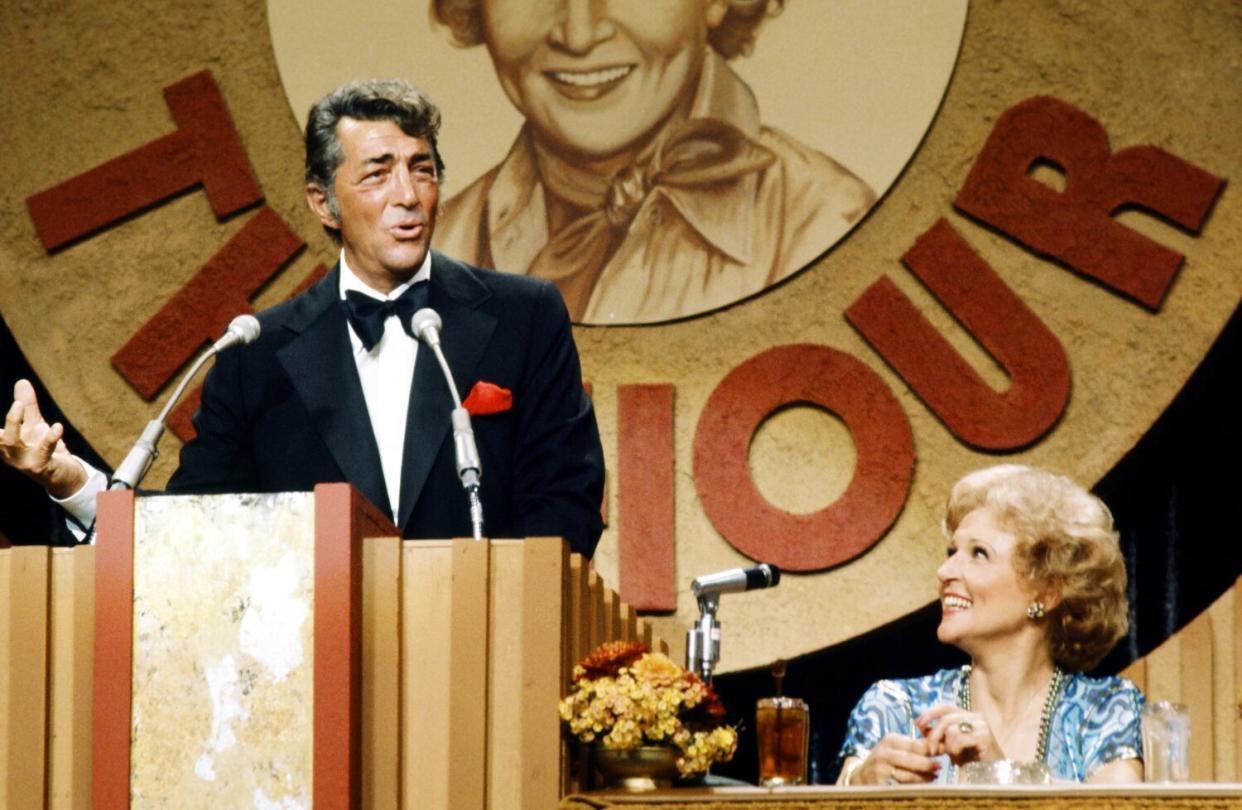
{"x":1033,"y":590}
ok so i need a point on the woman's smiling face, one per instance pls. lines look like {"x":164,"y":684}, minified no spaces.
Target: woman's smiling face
{"x":982,"y":596}
{"x":596,"y":78}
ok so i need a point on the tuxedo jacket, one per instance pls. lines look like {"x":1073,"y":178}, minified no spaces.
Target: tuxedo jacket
{"x":287,"y":412}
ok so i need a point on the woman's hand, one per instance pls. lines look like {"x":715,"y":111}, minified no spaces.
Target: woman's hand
{"x":897,"y":759}
{"x":964,"y":736}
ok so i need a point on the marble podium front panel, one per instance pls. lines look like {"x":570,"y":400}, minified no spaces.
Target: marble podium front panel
{"x":223,"y":664}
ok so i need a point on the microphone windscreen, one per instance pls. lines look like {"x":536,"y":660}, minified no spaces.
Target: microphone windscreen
{"x":426,"y":318}
{"x":246,"y":327}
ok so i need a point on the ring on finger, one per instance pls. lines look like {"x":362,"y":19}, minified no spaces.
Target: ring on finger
{"x":966,"y":727}
{"x":892,"y":779}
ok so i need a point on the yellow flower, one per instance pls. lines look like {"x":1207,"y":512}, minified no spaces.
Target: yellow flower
{"x":658,"y":670}
{"x":624,"y":697}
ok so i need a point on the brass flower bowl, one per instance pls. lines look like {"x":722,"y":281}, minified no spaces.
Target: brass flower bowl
{"x":646,"y":767}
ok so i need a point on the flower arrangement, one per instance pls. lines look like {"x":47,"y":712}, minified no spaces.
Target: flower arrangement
{"x":624,"y":696}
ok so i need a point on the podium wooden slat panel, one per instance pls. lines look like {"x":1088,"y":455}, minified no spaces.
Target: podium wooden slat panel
{"x":468,"y":670}
{"x":112,"y":695}
{"x":342,"y":518}
{"x":1224,"y":694}
{"x":506,"y":661}
{"x":1164,"y":672}
{"x":596,"y":609}
{"x":69,"y":682}
{"x":381,"y":667}
{"x":1196,"y":693}
{"x":579,"y":616}
{"x":6,"y":669}
{"x":575,"y":647}
{"x":629,"y":622}
{"x":7,"y":676}
{"x":23,"y":696}
{"x":426,"y":588}
{"x":544,"y":560}
{"x":612,"y":616}
{"x":337,"y":748}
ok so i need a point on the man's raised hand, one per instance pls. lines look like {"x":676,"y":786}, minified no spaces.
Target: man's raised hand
{"x":32,"y":446}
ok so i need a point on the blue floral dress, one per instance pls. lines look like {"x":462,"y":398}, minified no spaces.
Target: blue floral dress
{"x":1096,"y":720}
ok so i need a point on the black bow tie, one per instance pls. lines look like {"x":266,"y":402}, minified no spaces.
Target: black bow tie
{"x":367,"y":314}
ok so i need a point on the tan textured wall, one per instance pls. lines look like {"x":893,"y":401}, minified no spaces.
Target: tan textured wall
{"x":82,"y":84}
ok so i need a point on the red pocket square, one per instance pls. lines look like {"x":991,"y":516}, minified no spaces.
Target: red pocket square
{"x":488,"y":398}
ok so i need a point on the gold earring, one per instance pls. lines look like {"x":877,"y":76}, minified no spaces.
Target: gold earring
{"x":1035,"y":610}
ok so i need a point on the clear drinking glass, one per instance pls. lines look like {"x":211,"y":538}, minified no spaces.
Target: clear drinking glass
{"x":1166,"y":742}
{"x":783,"y":727}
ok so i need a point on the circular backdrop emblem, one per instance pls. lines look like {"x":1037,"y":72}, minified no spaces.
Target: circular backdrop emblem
{"x":655,"y":160}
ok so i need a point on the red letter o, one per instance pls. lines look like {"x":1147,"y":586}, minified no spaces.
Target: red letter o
{"x":881,"y":431}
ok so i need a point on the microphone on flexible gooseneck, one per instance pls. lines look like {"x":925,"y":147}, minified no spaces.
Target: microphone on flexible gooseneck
{"x":242,"y":330}
{"x":426,"y":326}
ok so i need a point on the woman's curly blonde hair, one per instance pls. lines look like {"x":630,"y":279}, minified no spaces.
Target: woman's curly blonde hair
{"x":1066,"y":545}
{"x":735,"y":36}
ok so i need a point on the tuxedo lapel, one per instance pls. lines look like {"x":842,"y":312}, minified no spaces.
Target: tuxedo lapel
{"x":455,"y":294}
{"x":319,"y":361}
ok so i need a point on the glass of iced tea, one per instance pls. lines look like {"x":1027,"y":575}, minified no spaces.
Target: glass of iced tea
{"x":783,"y":726}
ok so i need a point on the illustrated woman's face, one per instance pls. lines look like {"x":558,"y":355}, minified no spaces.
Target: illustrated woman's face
{"x":597,"y":78}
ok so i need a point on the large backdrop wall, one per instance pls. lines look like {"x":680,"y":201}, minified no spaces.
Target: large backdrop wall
{"x":942,"y":236}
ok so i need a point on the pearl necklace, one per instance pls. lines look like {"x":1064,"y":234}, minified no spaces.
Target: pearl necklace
{"x":1045,"y":718}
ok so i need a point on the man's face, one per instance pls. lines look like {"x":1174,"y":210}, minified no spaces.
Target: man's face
{"x":597,"y":77}
{"x":387,"y":193}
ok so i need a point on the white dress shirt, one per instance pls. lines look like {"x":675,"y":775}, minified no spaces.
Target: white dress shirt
{"x":386,"y":372}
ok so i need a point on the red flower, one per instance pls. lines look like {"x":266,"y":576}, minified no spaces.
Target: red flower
{"x":488,"y":398}
{"x":610,"y":657}
{"x":713,"y":705}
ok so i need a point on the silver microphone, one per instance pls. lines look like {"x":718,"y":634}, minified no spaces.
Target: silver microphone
{"x":703,"y":639}
{"x":736,"y":580}
{"x":425,"y":323}
{"x":242,"y":330}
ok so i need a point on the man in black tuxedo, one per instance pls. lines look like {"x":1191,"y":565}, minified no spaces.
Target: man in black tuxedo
{"x":337,"y":387}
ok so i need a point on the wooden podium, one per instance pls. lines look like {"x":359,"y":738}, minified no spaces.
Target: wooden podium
{"x":289,"y":650}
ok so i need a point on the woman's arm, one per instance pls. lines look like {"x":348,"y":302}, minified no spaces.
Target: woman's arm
{"x":1112,"y":735}
{"x":1118,"y":772}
